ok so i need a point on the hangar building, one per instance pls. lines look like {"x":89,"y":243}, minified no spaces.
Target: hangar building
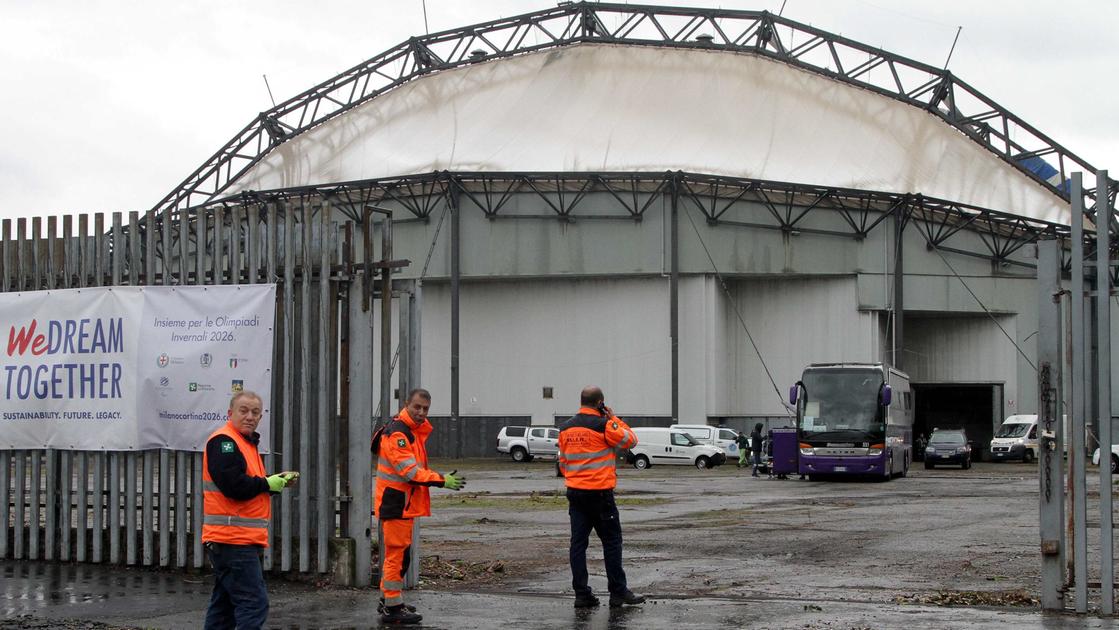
{"x":684,"y":206}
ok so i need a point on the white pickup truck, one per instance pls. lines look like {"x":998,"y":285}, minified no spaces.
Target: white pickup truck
{"x":525,"y":443}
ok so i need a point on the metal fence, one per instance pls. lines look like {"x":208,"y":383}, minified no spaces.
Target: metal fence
{"x":145,"y":507}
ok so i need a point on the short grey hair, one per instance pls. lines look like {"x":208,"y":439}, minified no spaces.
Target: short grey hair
{"x":245,"y":393}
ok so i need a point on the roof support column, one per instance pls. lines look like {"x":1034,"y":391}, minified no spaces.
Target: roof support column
{"x":456,"y":270}
{"x":901,"y":212}
{"x":674,"y":295}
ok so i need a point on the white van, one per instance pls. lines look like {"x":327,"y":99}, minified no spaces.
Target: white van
{"x":1016,"y":439}
{"x":656,"y":445}
{"x":715,"y":436}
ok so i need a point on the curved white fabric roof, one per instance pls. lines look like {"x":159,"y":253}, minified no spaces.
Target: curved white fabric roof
{"x":621,"y":108}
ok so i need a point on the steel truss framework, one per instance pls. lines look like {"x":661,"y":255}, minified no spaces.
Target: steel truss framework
{"x":787,"y":205}
{"x":759,"y":33}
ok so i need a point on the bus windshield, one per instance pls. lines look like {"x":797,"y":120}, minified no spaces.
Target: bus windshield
{"x":841,"y":404}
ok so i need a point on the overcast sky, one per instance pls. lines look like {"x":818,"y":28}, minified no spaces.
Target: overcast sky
{"x":109,"y":105}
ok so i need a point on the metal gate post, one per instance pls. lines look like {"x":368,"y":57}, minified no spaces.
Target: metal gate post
{"x":360,"y":432}
{"x":1051,"y":495}
{"x":1103,"y":358}
{"x":1077,"y":414}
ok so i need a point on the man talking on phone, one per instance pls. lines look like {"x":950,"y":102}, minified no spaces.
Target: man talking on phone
{"x":588,"y":444}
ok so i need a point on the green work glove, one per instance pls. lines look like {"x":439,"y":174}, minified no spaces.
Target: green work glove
{"x":276,"y":482}
{"x":453,"y":482}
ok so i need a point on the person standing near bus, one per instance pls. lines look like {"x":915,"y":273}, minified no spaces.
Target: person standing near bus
{"x":756,"y":447}
{"x":401,"y":495}
{"x":587,"y":458}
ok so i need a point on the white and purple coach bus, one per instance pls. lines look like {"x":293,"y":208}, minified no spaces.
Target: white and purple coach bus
{"x":853,"y":419}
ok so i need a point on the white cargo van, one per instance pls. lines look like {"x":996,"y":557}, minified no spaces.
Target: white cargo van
{"x":1016,"y":439}
{"x":715,"y":436}
{"x":656,"y":445}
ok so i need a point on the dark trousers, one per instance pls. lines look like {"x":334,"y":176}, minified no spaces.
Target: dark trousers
{"x":239,"y":599}
{"x":757,"y":462}
{"x":595,"y":509}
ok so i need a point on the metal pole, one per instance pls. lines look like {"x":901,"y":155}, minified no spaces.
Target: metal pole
{"x":674,"y":297}
{"x":899,"y":295}
{"x":1078,"y":413}
{"x":1103,"y":360}
{"x":1051,"y":498}
{"x":360,"y":432}
{"x":456,"y":270}
{"x":386,"y":318}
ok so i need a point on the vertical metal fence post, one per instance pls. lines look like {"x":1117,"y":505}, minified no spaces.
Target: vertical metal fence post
{"x":1051,"y":497}
{"x":196,"y":472}
{"x":1103,"y":358}
{"x":305,"y":269}
{"x":324,"y":460}
{"x":288,"y":454}
{"x":35,"y":515}
{"x":53,"y":504}
{"x":150,"y":455}
{"x":1079,"y":514}
{"x":5,"y":455}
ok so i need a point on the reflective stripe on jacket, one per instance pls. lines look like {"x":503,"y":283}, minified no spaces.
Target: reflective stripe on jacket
{"x":588,"y":445}
{"x":402,"y":473}
{"x":226,"y":520}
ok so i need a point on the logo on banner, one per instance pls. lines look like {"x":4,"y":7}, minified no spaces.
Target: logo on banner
{"x":164,"y":381}
{"x":206,"y":359}
{"x":233,"y":362}
{"x":192,"y":387}
{"x":163,"y":360}
{"x":238,"y":385}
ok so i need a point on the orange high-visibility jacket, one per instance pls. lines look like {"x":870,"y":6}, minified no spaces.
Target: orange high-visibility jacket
{"x":588,"y":446}
{"x":228,"y":521}
{"x":402,"y":473}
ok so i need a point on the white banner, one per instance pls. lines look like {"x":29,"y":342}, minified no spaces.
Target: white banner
{"x":128,"y":368}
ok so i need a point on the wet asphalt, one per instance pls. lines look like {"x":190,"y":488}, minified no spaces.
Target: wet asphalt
{"x":52,"y":596}
{"x":801,"y":592}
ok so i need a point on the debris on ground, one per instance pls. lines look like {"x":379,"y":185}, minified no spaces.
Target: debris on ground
{"x":30,"y":621}
{"x":436,"y":572}
{"x":970,"y":598}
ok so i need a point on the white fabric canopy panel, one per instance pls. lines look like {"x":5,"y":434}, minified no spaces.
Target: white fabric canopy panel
{"x":591,"y":108}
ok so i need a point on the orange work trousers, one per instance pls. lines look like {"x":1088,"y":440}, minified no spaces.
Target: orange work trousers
{"x":397,"y":536}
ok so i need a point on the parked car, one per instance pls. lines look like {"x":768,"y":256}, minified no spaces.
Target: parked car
{"x":657,"y":445}
{"x":722,"y":437}
{"x":1016,"y":438}
{"x":948,"y":446}
{"x":1114,"y":458}
{"x":524,"y":444}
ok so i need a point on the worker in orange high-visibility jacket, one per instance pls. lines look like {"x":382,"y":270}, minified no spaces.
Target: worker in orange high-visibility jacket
{"x":588,"y":445}
{"x":237,"y":507}
{"x":400,"y":495}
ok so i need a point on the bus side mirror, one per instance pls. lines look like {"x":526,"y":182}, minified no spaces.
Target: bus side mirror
{"x":887,"y":395}
{"x":793,"y":394}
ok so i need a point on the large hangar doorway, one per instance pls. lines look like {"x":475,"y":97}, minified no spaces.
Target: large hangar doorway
{"x":976,"y":408}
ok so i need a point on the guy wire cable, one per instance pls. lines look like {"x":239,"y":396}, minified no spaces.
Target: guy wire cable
{"x":985,"y":309}
{"x":737,"y":313}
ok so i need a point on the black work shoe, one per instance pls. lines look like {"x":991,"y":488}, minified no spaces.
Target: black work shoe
{"x":381,"y":607}
{"x":400,"y":616}
{"x":586,"y":601}
{"x":629,"y":598}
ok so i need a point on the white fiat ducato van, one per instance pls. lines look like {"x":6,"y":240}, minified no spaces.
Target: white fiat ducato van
{"x":658,"y":445}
